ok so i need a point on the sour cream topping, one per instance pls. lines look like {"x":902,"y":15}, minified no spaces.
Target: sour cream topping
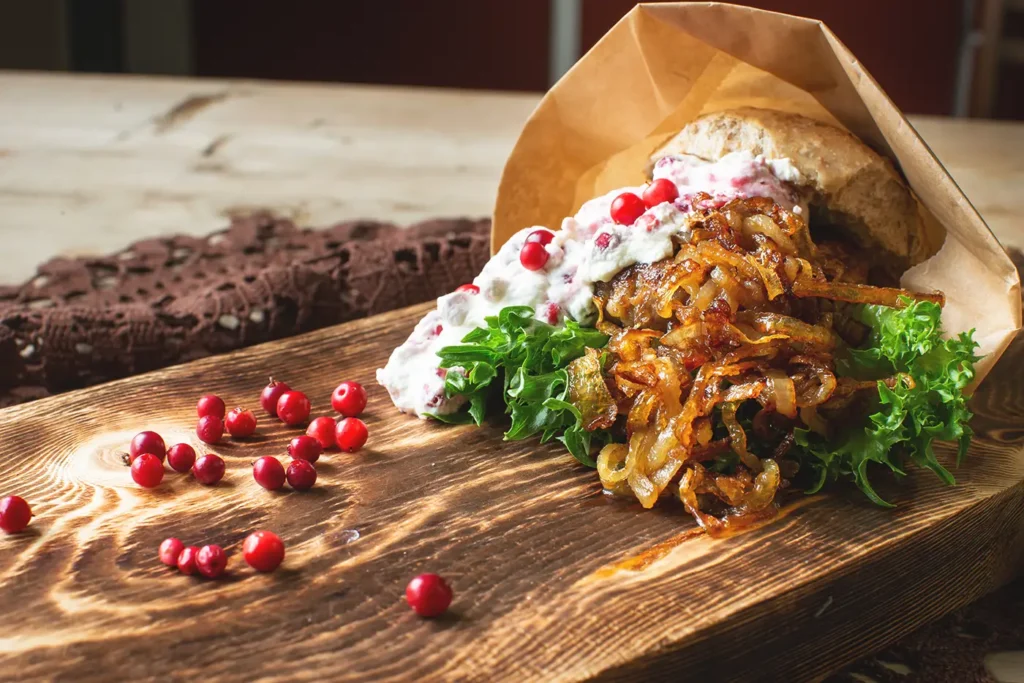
{"x":589,"y":248}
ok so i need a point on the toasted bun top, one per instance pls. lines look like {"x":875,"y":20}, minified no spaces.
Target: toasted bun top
{"x":857,"y":189}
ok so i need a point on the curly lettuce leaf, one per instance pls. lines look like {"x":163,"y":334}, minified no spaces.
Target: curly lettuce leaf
{"x":912,"y":415}
{"x":531,"y":358}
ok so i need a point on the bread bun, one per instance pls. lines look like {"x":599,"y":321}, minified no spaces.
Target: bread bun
{"x":847,"y":183}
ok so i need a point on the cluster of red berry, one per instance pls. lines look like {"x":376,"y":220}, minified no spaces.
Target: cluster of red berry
{"x":262,"y":550}
{"x":627,"y":207}
{"x":147,"y":450}
{"x":146,"y":455}
{"x":427,"y":594}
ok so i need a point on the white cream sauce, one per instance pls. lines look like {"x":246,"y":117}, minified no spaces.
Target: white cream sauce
{"x":589,"y":248}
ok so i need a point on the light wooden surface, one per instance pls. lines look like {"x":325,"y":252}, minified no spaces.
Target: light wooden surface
{"x":88,"y":164}
{"x":552,"y":579}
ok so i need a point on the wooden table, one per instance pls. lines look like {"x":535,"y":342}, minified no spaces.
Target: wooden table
{"x":88,"y":164}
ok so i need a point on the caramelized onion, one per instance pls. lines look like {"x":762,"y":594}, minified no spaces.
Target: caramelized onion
{"x":738,"y":437}
{"x":820,"y":389}
{"x":759,"y":223}
{"x":793,"y":328}
{"x":765,"y":485}
{"x":742,"y":312}
{"x":611,"y":464}
{"x":589,"y":393}
{"x":780,"y":392}
{"x":814,"y":421}
{"x":861,"y":294}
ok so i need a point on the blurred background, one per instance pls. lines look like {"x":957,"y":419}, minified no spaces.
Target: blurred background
{"x":943,"y":57}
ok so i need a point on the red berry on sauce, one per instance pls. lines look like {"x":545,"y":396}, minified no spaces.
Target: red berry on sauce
{"x":210,"y":404}
{"x":147,"y":442}
{"x":271,"y":393}
{"x":263,"y":551}
{"x":301,"y":475}
{"x":322,"y":429}
{"x":626,"y":208}
{"x":471,"y":288}
{"x":14,"y":514}
{"x":147,"y":470}
{"x":240,"y":422}
{"x":541,"y":236}
{"x":660,"y":191}
{"x":293,"y":408}
{"x":533,"y":256}
{"x":187,"y":560}
{"x":181,"y":457}
{"x":170,"y":549}
{"x":429,"y":595}
{"x":603,"y":240}
{"x":351,"y":434}
{"x":305,"y":447}
{"x":211,"y":561}
{"x":268,"y":473}
{"x":349,"y":399}
{"x":210,"y":429}
{"x":208,"y":469}
{"x":552,"y":312}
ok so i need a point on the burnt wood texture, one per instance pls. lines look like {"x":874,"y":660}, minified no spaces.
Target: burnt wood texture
{"x":552,"y":580}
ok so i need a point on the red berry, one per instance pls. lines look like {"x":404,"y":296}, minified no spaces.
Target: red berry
{"x":471,"y":288}
{"x":181,"y":457}
{"x":210,"y":429}
{"x":533,"y":256}
{"x":351,"y":434}
{"x":170,"y":550}
{"x":322,"y":429}
{"x":210,"y":405}
{"x":301,"y":475}
{"x":293,"y":408}
{"x":268,"y":473}
{"x":208,"y":469}
{"x":14,"y":514}
{"x":240,"y":422}
{"x":147,"y":442}
{"x":271,"y":393}
{"x":187,"y":560}
{"x":305,"y":448}
{"x":552,"y":312}
{"x":349,"y":399}
{"x":429,"y":595}
{"x":147,"y":470}
{"x":660,"y":191}
{"x":626,"y":208}
{"x":263,"y":551}
{"x":211,"y":561}
{"x":541,"y":236}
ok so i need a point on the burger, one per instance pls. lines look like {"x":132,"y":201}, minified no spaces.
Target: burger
{"x":730,"y":330}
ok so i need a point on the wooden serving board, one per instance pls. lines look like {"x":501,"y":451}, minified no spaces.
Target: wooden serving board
{"x":552,"y":579}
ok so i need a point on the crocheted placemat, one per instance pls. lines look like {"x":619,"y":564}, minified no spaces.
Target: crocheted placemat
{"x":164,"y":301}
{"x":159,"y":302}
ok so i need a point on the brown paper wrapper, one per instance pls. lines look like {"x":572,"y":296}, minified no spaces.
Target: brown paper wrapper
{"x":665,"y":64}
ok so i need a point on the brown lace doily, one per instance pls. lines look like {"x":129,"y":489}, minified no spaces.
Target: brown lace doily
{"x":165,"y":301}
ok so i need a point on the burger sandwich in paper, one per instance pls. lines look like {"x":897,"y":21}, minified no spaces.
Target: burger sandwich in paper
{"x":717,"y":292}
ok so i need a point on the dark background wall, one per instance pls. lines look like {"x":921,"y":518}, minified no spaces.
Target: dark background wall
{"x":490,"y":44}
{"x":923,"y":52}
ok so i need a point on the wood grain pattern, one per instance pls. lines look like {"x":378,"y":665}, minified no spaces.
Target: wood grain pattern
{"x":553,"y":581}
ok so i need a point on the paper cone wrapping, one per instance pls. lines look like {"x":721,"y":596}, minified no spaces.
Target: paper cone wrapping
{"x":665,"y":64}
